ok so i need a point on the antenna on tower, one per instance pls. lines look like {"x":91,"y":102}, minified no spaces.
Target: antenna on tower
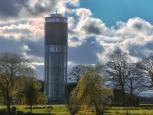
{"x":56,"y":13}
{"x":56,"y":10}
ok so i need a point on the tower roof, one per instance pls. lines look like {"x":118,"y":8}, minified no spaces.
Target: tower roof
{"x":56,"y":17}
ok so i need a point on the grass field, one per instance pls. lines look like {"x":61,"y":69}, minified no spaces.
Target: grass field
{"x":62,"y":110}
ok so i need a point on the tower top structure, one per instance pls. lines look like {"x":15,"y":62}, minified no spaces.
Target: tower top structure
{"x":56,"y":17}
{"x":56,"y":14}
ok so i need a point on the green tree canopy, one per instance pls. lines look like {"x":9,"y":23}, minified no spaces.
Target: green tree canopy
{"x":12,"y":66}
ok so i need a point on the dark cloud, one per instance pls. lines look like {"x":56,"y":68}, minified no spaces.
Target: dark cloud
{"x":41,"y":6}
{"x":86,"y":53}
{"x":143,"y":26}
{"x":92,"y":29}
{"x":36,"y":47}
{"x":11,"y":8}
{"x":149,"y":45}
{"x":74,"y":39}
{"x":37,"y":9}
{"x":138,"y":26}
{"x":141,"y":51}
{"x":9,"y":45}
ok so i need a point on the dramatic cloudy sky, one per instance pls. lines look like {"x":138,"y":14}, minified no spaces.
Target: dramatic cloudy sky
{"x":96,"y":28}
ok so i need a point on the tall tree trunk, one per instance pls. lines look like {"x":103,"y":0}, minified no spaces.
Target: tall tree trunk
{"x":131,"y":92}
{"x":31,"y":108}
{"x":8,"y":103}
{"x":72,"y":113}
{"x":98,"y":112}
{"x":131,"y":88}
{"x":123,"y":95}
{"x":8,"y":107}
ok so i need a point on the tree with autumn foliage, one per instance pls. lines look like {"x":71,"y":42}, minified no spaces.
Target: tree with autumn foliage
{"x":92,"y":91}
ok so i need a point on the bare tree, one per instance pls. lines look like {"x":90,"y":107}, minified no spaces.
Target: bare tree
{"x":136,"y":82}
{"x":147,"y":67}
{"x":118,"y":69}
{"x":76,"y":72}
{"x":11,"y":67}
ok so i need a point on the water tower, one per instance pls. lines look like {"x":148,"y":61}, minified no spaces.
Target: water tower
{"x":56,"y":35}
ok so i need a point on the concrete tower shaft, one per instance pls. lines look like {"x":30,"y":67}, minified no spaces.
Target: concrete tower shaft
{"x":56,"y":35}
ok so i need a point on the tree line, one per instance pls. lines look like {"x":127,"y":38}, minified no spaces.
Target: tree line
{"x":119,"y":81}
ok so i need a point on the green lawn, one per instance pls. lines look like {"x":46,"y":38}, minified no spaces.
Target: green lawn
{"x":62,"y":110}
{"x":130,"y":111}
